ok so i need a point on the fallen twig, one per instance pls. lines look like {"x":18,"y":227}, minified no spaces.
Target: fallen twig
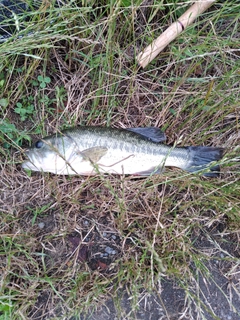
{"x":151,"y":51}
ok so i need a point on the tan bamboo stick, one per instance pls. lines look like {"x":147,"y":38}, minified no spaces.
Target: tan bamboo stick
{"x":151,"y":51}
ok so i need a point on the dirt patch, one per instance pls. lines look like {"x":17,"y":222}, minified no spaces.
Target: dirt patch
{"x":216,"y":293}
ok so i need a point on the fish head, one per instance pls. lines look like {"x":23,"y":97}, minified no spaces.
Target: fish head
{"x":50,"y":154}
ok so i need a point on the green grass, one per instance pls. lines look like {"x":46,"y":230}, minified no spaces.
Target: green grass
{"x":75,"y":64}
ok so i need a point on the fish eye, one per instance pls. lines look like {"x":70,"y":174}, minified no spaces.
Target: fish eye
{"x":39,"y":144}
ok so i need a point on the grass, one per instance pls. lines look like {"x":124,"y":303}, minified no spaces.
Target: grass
{"x":75,"y":64}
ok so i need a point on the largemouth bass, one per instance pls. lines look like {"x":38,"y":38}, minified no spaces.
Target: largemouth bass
{"x":135,"y":151}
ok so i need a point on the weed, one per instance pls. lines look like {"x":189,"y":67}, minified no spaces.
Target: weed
{"x":4,"y":102}
{"x":10,"y":135}
{"x":43,"y":81}
{"x":5,"y":308}
{"x":24,"y":111}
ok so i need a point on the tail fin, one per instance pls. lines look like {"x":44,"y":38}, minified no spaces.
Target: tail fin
{"x":201,"y":158}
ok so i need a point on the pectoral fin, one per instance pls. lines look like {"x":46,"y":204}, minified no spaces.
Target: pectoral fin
{"x":93,"y":154}
{"x":150,"y":133}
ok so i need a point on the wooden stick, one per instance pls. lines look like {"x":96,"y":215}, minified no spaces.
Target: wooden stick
{"x":151,"y":51}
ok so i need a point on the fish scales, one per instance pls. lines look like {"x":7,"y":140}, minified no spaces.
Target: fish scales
{"x":90,"y":150}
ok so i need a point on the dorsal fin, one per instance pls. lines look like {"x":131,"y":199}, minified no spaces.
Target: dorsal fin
{"x":150,"y":133}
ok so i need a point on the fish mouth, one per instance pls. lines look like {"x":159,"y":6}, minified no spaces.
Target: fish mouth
{"x":29,"y":164}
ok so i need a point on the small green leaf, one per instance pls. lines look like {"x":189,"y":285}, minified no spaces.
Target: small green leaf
{"x":30,"y":109}
{"x":126,"y":3}
{"x":6,"y":127}
{"x":35,"y":83}
{"x":28,"y":172}
{"x":40,"y":78}
{"x":47,"y":80}
{"x":19,"y":104}
{"x":4,"y":102}
{"x":42,"y":85}
{"x":188,"y":53}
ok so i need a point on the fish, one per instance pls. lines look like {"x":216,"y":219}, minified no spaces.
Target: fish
{"x":89,"y":150}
